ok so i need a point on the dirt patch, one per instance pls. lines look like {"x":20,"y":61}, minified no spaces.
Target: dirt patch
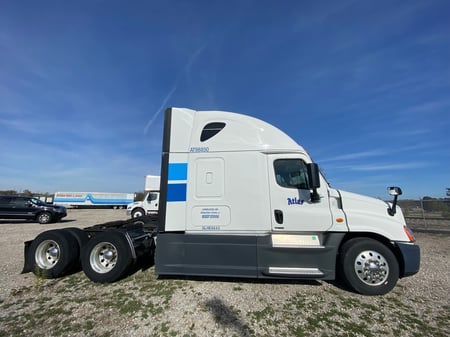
{"x":144,"y":305}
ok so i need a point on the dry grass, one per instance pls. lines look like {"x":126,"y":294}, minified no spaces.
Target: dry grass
{"x":143,"y":305}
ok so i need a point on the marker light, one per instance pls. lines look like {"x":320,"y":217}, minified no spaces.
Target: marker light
{"x":409,"y":234}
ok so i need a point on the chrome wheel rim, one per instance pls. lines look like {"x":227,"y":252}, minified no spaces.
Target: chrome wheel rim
{"x":103,"y":257}
{"x":47,"y":254}
{"x":44,"y":217}
{"x":371,"y":267}
{"x":137,"y":214}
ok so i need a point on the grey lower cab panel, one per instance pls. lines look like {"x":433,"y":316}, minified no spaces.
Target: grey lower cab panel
{"x":207,"y":255}
{"x":243,"y":256}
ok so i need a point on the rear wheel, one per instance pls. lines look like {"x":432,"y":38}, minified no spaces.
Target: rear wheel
{"x":79,"y":235}
{"x":82,"y":239}
{"x":54,"y":253}
{"x":368,"y":266}
{"x":107,"y":257}
{"x":44,"y":218}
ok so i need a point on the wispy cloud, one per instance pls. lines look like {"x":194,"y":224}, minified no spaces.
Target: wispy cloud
{"x":163,"y":105}
{"x":386,"y":167}
{"x":356,"y":155}
{"x":22,"y":126}
{"x":184,"y":70}
{"x":428,"y":107}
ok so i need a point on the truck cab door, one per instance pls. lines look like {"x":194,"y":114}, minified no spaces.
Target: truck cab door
{"x":290,"y":196}
{"x":152,"y":202}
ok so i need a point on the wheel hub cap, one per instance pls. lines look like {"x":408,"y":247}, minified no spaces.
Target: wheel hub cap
{"x":371,"y":268}
{"x":53,"y":252}
{"x":47,"y":254}
{"x":103,"y":257}
{"x":108,"y":255}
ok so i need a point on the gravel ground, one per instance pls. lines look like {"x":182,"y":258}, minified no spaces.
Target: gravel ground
{"x":144,"y":305}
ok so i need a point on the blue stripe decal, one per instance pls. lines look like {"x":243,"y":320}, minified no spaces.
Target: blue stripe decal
{"x":176,"y":192}
{"x":178,"y":171}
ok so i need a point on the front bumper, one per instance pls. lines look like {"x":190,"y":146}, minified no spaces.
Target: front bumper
{"x":60,"y":215}
{"x":411,"y":258}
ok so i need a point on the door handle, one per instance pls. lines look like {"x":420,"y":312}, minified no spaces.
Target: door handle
{"x":278,"y":216}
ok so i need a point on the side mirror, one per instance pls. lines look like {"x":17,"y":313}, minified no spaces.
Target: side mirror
{"x":394,"y":191}
{"x":314,"y":181}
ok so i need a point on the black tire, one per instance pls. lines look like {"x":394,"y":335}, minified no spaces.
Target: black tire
{"x":137,"y":212}
{"x":107,"y":257}
{"x":44,"y":218}
{"x":79,"y":235}
{"x":144,"y":221}
{"x":82,"y":239}
{"x":54,"y":253}
{"x":368,"y":266}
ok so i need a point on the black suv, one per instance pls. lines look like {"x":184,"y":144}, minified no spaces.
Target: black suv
{"x":13,"y":207}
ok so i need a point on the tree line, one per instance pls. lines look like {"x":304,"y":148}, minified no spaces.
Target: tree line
{"x":24,"y":193}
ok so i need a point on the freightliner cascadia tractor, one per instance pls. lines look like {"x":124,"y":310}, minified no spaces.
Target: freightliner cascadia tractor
{"x":240,"y":198}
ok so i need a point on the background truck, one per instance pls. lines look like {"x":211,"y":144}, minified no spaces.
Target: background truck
{"x":148,"y":206}
{"x":240,"y":198}
{"x":93,"y":199}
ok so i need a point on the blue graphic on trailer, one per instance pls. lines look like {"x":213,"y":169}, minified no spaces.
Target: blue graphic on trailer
{"x":177,"y":185}
{"x":93,"y":200}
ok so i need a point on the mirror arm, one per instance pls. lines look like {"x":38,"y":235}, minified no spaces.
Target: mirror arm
{"x":392,"y":210}
{"x":315,"y":197}
{"x":395,"y":191}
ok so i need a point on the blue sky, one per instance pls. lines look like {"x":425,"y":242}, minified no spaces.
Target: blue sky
{"x":364,"y":86}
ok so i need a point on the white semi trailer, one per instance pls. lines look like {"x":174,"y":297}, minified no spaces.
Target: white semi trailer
{"x":240,"y":198}
{"x":93,"y":199}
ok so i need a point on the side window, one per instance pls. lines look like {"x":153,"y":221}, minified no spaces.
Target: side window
{"x":152,"y":197}
{"x":21,"y":202}
{"x":291,"y":173}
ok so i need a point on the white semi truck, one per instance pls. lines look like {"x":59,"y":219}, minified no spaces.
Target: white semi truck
{"x":148,"y":206}
{"x":240,"y":198}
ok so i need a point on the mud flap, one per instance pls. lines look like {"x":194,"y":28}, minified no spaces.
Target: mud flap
{"x":29,"y":261}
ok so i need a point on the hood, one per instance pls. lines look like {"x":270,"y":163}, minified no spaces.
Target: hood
{"x":135,"y":203}
{"x":366,"y":214}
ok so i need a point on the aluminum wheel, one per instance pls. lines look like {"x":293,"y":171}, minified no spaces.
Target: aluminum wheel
{"x":47,"y":254}
{"x":107,"y":256}
{"x":103,"y":257}
{"x":44,"y":218}
{"x":371,"y":267}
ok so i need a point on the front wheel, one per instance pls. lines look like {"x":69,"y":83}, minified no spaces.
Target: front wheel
{"x":137,"y":213}
{"x":368,"y":266}
{"x":107,"y":257}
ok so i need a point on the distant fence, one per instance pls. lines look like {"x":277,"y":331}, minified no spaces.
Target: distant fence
{"x":427,"y":214}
